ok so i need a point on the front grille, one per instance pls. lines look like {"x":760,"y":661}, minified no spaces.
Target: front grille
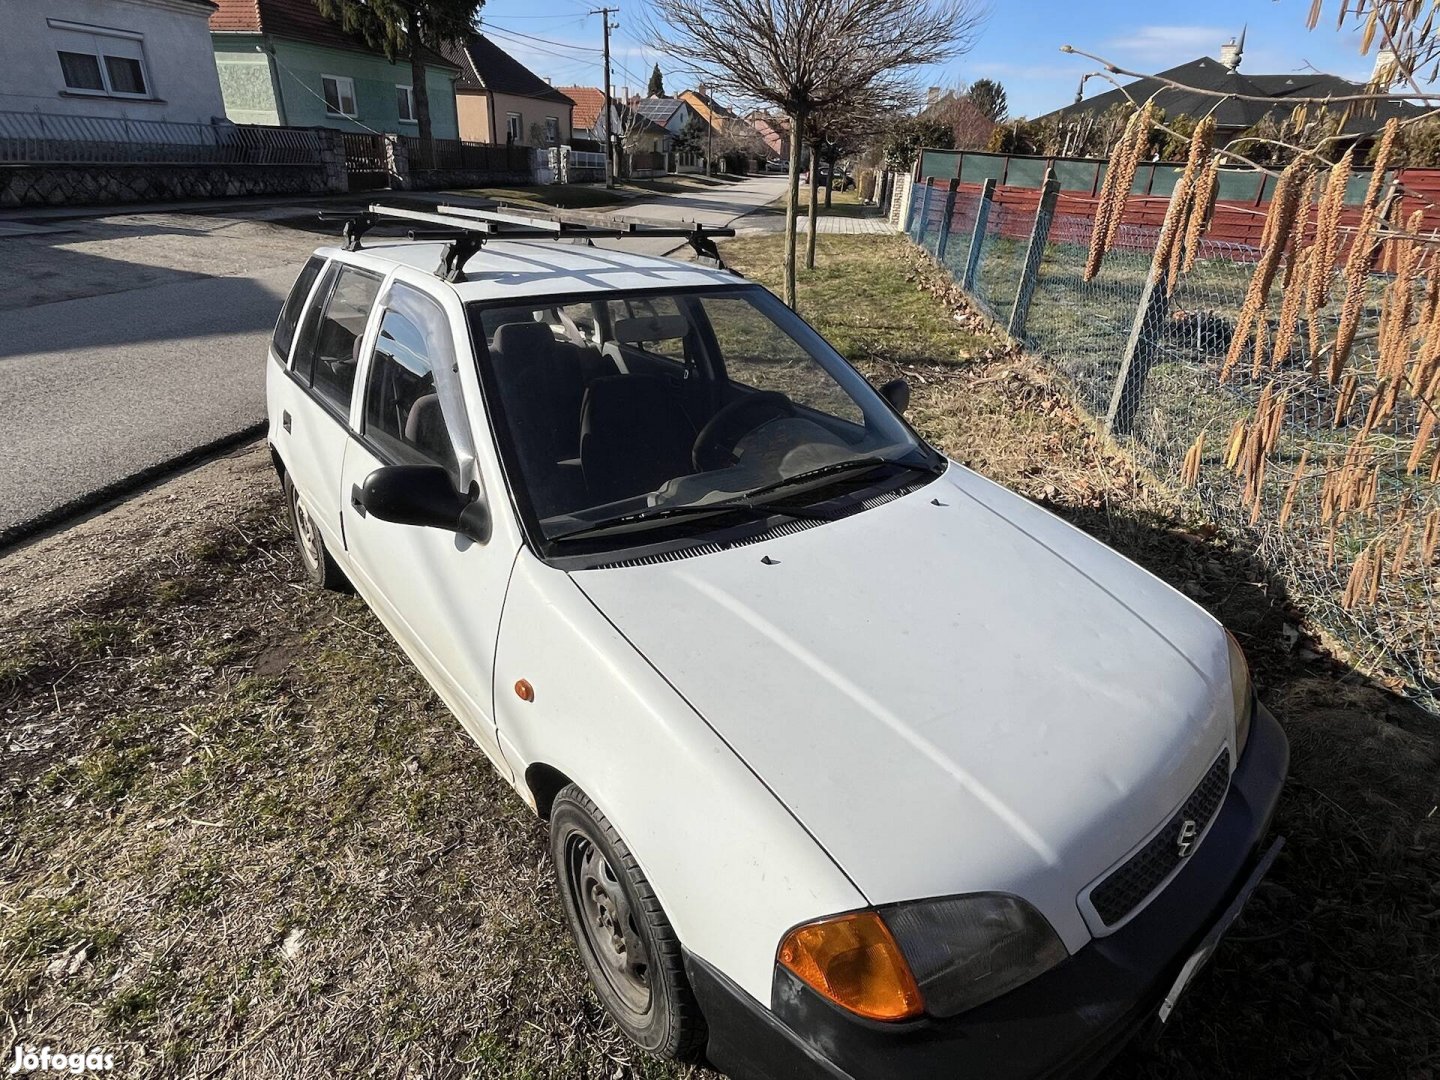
{"x":1119,"y":894}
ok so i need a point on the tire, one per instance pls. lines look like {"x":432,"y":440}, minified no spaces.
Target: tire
{"x":319,"y":567}
{"x":614,"y":916}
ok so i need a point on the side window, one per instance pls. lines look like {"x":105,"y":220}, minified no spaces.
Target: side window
{"x":760,"y":355}
{"x":290,"y":314}
{"x":328,"y":351}
{"x":402,"y":407}
{"x":653,"y":325}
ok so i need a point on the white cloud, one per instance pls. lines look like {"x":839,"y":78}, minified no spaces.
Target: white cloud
{"x":1167,"y":45}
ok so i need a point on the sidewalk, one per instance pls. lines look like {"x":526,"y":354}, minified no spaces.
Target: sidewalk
{"x":829,"y":225}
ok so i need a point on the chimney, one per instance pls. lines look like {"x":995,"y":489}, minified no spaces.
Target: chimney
{"x":1232,"y":51}
{"x":932,"y":95}
{"x":1387,"y":69}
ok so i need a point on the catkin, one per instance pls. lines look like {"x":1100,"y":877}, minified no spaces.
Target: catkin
{"x":1327,"y":233}
{"x":1119,"y":179}
{"x":1382,"y":160}
{"x":1278,"y":223}
{"x":1290,"y":304}
{"x":1201,"y":207}
{"x":1169,"y":249}
{"x":1357,"y":279}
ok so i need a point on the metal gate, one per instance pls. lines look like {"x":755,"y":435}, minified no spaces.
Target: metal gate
{"x":365,"y":161}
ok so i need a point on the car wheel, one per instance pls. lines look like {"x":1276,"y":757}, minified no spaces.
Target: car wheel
{"x":629,"y":949}
{"x":319,"y":567}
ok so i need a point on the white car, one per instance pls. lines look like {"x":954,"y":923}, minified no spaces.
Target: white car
{"x":855,"y":763}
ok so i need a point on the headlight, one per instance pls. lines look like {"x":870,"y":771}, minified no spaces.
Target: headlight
{"x":1244,"y":693}
{"x":966,"y":950}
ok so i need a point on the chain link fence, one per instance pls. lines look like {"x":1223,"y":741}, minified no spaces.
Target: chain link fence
{"x":1334,"y":482}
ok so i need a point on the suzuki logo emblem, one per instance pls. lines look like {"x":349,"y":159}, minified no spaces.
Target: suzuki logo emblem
{"x":1185,"y":842}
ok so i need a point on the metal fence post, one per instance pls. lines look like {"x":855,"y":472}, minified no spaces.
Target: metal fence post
{"x":982,"y":216}
{"x":1139,"y":354}
{"x":1039,"y":234}
{"x":945,"y":221}
{"x":924,"y":221}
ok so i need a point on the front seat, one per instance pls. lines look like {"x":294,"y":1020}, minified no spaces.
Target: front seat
{"x":634,"y":436}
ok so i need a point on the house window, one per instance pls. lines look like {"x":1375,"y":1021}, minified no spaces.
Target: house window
{"x":513,"y":129}
{"x":339,"y":95}
{"x":552,"y":130}
{"x":405,"y":104}
{"x":99,"y":60}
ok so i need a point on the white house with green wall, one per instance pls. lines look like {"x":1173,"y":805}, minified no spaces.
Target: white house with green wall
{"x":282,"y":62}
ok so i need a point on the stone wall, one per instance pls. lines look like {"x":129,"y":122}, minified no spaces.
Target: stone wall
{"x":431,"y":179}
{"x":79,"y":185}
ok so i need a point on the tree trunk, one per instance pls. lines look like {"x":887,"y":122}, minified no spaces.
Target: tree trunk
{"x":417,"y":74}
{"x":792,"y":204}
{"x":814,"y":205}
{"x":830,"y":187}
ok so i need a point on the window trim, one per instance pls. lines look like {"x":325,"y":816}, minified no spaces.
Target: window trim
{"x":518,"y":135}
{"x":409,"y":88}
{"x":340,"y":97}
{"x":107,"y":89}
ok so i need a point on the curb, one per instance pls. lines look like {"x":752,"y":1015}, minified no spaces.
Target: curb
{"x":12,"y":536}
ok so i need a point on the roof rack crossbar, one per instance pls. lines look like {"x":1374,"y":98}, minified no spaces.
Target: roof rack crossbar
{"x":466,"y":229}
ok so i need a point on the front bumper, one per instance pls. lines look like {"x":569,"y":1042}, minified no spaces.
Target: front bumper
{"x":1071,"y":1021}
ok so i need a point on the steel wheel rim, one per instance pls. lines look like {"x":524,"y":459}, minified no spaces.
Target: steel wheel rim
{"x":305,"y":530}
{"x":607,"y":924}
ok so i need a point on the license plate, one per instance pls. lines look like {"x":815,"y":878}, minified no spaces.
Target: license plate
{"x":1201,"y":956}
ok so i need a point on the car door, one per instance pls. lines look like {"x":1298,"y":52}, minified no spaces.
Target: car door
{"x":315,"y":418}
{"x":439,"y":592}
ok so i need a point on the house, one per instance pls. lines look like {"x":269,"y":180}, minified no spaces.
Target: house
{"x":774,"y":130}
{"x":638,"y":135}
{"x":1233,"y":115}
{"x":127,"y":59}
{"x":670,"y":113}
{"x":282,"y":62}
{"x":587,"y":120}
{"x":500,"y":100}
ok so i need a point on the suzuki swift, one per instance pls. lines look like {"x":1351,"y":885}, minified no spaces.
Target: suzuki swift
{"x":855,"y":763}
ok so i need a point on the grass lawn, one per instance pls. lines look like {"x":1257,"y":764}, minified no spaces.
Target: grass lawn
{"x":242,"y":838}
{"x":842,"y":204}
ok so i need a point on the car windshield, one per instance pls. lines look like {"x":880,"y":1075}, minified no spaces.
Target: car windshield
{"x":626,"y":413}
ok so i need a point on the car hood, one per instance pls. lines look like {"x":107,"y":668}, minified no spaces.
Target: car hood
{"x":954,"y":691}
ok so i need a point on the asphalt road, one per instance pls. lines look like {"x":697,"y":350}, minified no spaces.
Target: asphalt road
{"x":132,"y":342}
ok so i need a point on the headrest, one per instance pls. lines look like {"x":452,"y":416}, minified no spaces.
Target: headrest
{"x":651,"y":328}
{"x":524,"y":341}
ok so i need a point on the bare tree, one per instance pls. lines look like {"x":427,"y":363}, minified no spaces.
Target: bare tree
{"x":805,"y":56}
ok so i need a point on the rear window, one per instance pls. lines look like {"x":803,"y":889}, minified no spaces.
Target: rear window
{"x":290,"y":313}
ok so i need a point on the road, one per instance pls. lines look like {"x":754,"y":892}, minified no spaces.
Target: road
{"x":130,"y":342}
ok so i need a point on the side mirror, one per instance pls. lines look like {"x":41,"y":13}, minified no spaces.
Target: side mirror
{"x":424,"y":495}
{"x":897,"y":393}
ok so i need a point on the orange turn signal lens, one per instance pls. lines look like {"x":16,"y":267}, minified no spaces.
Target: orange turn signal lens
{"x":853,"y":961}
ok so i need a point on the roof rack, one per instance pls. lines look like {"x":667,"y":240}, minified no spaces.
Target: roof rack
{"x":466,"y":229}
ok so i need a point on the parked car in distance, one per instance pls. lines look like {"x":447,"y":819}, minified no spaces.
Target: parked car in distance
{"x":855,"y":763}
{"x":777,"y":165}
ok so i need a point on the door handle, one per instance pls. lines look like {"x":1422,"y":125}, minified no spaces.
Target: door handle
{"x":357,"y":499}
{"x":285,"y":420}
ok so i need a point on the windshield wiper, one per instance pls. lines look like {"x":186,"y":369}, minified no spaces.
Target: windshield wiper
{"x":835,"y":468}
{"x":748,"y":502}
{"x":627,"y":522}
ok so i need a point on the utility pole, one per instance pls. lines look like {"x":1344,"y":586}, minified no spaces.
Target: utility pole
{"x":710,"y":129}
{"x":604,"y":14}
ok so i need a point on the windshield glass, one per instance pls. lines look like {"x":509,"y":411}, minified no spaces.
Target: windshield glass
{"x":629,"y":412}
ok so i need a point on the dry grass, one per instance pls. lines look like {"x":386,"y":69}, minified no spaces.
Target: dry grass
{"x":241,"y":838}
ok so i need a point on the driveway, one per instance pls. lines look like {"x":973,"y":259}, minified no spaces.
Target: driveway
{"x":134,"y":341}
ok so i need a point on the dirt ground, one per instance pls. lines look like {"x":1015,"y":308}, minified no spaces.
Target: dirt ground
{"x":241,"y":838}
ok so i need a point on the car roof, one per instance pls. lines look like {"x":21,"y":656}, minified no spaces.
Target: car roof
{"x":514,"y":269}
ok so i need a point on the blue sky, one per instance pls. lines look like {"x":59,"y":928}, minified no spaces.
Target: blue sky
{"x":1019,"y":44}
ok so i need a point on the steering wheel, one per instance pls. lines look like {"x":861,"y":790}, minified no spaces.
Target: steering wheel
{"x":715,"y":445}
